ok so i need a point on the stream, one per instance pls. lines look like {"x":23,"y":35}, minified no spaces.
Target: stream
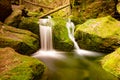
{"x":74,"y":67}
{"x":77,"y":65}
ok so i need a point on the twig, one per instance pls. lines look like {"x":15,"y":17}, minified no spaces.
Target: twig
{"x":38,"y":4}
{"x":57,"y":9}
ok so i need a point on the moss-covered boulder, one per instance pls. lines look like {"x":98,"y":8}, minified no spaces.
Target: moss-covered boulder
{"x":111,"y":63}
{"x":14,"y":66}
{"x":61,"y":40}
{"x":23,"y":41}
{"x":30,"y":24}
{"x":102,"y":34}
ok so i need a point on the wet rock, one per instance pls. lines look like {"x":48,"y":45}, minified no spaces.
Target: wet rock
{"x":61,"y":40}
{"x":14,"y":66}
{"x":101,"y":34}
{"x":5,"y":9}
{"x":111,"y":63}
{"x":23,"y":41}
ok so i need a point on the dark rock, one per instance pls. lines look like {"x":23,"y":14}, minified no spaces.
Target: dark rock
{"x":6,"y":9}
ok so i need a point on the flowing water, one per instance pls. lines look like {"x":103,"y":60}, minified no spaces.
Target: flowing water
{"x":47,"y":53}
{"x":70,"y":27}
{"x":67,"y":66}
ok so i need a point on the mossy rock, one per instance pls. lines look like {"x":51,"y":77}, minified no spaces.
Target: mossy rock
{"x":111,"y":62}
{"x":61,"y":40}
{"x":101,"y":34}
{"x":30,"y":24}
{"x":87,"y":9}
{"x":23,"y":41}
{"x":14,"y":66}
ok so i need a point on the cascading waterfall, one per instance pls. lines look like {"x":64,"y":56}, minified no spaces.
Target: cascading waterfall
{"x":45,"y":29}
{"x":46,"y":34}
{"x":70,"y":27}
{"x":60,"y":67}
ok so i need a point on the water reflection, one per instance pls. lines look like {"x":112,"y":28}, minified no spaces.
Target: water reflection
{"x":75,"y":67}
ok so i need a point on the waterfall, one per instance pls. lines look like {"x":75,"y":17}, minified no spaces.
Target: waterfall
{"x":70,"y":27}
{"x":45,"y":34}
{"x":45,"y":29}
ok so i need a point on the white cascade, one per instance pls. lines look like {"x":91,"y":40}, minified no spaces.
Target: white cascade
{"x":45,"y":29}
{"x":70,"y":27}
{"x":45,"y":35}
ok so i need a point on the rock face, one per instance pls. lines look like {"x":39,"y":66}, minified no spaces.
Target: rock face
{"x":61,"y":40}
{"x":22,"y":41}
{"x":6,"y":9}
{"x":87,"y":9}
{"x":14,"y":18}
{"x":14,"y":66}
{"x":111,"y":63}
{"x":102,"y":34}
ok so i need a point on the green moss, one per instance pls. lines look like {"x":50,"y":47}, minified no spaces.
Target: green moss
{"x":30,"y":24}
{"x":95,"y":26}
{"x":111,"y":63}
{"x":61,"y":13}
{"x":60,"y":35}
{"x":25,"y":68}
{"x":28,"y":44}
{"x":34,"y":14}
{"x":22,"y":41}
{"x":101,"y":34}
{"x":118,"y":7}
{"x":76,"y":20}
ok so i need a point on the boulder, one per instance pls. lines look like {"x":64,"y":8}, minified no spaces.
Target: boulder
{"x":6,"y":9}
{"x":23,"y":41}
{"x":111,"y":63}
{"x":61,"y":40}
{"x":101,"y":34}
{"x":14,"y":66}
